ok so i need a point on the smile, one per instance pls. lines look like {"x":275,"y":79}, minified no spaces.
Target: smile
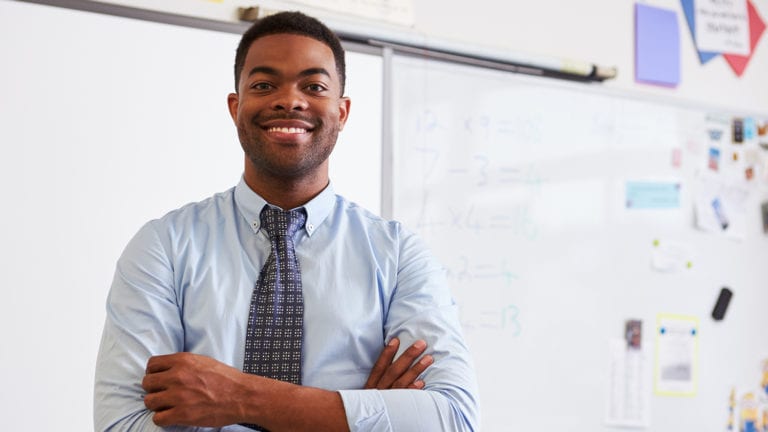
{"x":287,"y":130}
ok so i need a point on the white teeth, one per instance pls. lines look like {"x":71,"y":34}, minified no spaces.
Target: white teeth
{"x":291,"y":130}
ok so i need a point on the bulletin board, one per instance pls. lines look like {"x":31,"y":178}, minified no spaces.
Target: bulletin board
{"x":561,"y":212}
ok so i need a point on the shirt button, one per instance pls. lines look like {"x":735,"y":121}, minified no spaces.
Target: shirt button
{"x":310,"y":227}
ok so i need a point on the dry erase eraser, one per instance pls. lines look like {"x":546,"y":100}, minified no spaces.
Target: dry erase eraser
{"x":722,"y":304}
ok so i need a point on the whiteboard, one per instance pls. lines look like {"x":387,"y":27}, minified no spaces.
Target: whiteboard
{"x":105,"y":123}
{"x":518,"y":184}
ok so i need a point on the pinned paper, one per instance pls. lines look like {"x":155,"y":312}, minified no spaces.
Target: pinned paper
{"x":676,"y":369}
{"x":657,"y":46}
{"x":677,"y":157}
{"x":714,"y":159}
{"x":750,"y":129}
{"x":715,"y":134}
{"x":738,"y":131}
{"x":720,"y":206}
{"x":652,"y":195}
{"x":688,"y":10}
{"x":751,"y":162}
{"x":762,"y":134}
{"x":671,"y":256}
{"x":756,"y":28}
{"x":628,"y":396}
{"x":762,"y":128}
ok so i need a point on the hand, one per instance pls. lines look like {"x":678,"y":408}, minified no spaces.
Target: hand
{"x":402,"y":373}
{"x":194,"y":390}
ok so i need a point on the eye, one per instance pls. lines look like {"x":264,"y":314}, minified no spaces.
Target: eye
{"x":261,"y":86}
{"x":316,"y":88}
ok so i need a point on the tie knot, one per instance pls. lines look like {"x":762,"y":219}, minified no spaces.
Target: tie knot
{"x":280,"y":222}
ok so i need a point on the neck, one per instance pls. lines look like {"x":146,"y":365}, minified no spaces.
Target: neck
{"x":286,"y":193}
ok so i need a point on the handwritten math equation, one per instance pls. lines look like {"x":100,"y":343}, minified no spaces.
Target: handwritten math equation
{"x":484,"y":290}
{"x":505,"y":319}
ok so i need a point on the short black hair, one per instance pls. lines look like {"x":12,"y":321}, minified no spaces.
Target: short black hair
{"x":291,"y":23}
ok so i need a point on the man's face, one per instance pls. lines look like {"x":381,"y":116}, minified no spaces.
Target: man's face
{"x":288,"y":110}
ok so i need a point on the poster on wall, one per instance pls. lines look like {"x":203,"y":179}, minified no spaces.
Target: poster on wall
{"x":730,"y":28}
{"x":722,"y":26}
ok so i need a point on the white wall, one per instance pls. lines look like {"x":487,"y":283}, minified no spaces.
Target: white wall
{"x":600,"y":31}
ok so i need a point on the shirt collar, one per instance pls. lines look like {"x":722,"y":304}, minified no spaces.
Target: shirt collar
{"x":249,"y":203}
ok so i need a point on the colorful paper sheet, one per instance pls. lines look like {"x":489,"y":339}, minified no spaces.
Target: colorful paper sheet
{"x":657,"y":46}
{"x":737,"y":62}
{"x":688,"y":10}
{"x":652,"y":195}
{"x":756,"y":28}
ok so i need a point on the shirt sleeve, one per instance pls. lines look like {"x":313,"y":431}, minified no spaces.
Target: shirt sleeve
{"x":421,"y":307}
{"x":142,"y":320}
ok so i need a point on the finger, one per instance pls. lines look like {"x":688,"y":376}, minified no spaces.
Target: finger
{"x":401,"y":365}
{"x":416,"y":385}
{"x":157,"y":402}
{"x":161,"y":363}
{"x":155,"y":382}
{"x":384,"y":360}
{"x":408,"y":378}
{"x":165,"y":417}
{"x":180,"y":415}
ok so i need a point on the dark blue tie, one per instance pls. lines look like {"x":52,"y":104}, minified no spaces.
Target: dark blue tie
{"x":276,"y":318}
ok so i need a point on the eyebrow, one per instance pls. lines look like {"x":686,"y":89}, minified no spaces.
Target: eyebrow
{"x":305,"y":73}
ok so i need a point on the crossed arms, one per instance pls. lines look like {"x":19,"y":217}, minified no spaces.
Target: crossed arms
{"x":194,"y":390}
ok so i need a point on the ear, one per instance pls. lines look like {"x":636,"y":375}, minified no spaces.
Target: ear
{"x":233,"y":101}
{"x":344,"y":104}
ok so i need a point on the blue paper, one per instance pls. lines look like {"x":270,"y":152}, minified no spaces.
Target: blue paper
{"x":657,"y":46}
{"x":688,"y":9}
{"x":652,"y":195}
{"x":750,"y":129}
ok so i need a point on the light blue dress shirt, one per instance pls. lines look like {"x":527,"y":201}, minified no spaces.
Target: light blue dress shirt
{"x":184,"y":283}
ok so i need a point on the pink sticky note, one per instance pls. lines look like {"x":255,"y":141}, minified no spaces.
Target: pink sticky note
{"x":677,"y":157}
{"x":756,"y":27}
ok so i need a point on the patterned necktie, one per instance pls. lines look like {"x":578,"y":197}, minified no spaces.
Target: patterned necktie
{"x":276,"y":317}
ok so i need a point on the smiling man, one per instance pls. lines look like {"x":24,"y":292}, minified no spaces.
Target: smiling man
{"x":279,"y":305}
{"x":288,"y":110}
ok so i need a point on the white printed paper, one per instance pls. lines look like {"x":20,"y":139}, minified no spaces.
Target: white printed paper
{"x":671,"y":256}
{"x":722,"y":26}
{"x":720,"y":206}
{"x":628,"y":393}
{"x":676,"y":350}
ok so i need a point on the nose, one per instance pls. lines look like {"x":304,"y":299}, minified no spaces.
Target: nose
{"x":290,"y":99}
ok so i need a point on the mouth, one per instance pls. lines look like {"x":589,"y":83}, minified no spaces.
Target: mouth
{"x":287,"y":130}
{"x":286,"y":126}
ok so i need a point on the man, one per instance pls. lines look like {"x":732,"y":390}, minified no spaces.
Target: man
{"x":182,"y":308}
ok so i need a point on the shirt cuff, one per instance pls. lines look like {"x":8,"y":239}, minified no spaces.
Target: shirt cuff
{"x":365,"y":410}
{"x":391,"y":410}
